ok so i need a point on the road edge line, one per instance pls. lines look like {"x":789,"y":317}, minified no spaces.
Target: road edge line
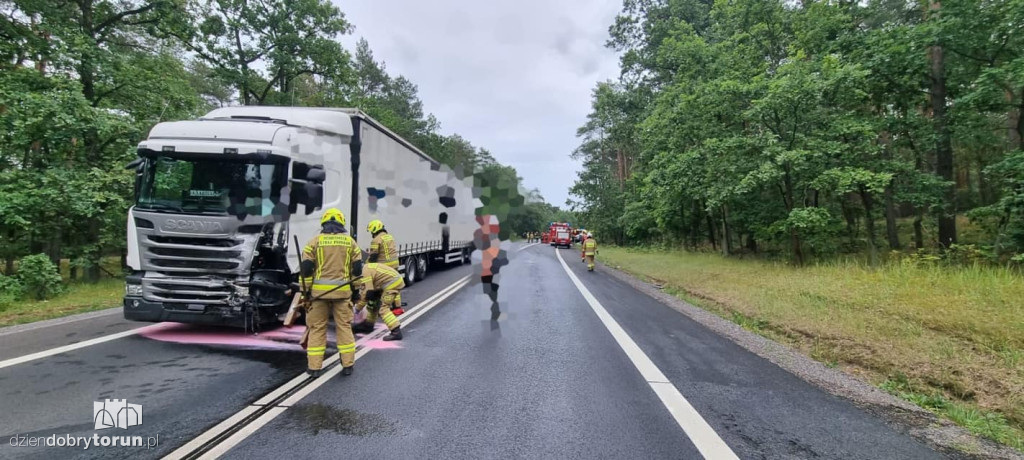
{"x":700,"y":433}
{"x":75,"y":346}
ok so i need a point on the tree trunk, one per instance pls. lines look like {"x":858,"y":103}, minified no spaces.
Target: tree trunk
{"x":711,"y":229}
{"x":9,"y":265}
{"x":891,"y":231}
{"x":918,"y":230}
{"x":1015,"y":122}
{"x":983,"y":192}
{"x":695,"y":215}
{"x":726,"y":232}
{"x":851,"y":221}
{"x":798,"y":253}
{"x":944,"y":146}
{"x":751,"y":243}
{"x":95,"y":256}
{"x":869,"y":223}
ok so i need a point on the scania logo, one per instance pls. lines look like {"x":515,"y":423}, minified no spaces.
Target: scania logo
{"x":203,"y":226}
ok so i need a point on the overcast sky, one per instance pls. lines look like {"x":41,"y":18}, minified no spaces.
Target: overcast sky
{"x":513,"y":77}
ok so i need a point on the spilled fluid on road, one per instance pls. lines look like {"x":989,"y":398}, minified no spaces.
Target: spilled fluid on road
{"x":315,"y":418}
{"x":281,"y":338}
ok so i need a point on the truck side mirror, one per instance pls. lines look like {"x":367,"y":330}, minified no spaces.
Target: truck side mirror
{"x":137,"y":165}
{"x":134,"y":164}
{"x":314,"y":197}
{"x":316,"y":175}
{"x":309,"y":194}
{"x":307,"y":172}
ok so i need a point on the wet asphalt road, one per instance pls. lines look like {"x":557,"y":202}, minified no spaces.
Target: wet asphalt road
{"x":549,"y":382}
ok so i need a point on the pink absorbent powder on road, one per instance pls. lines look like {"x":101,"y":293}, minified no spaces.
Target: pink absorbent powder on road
{"x":283,"y":338}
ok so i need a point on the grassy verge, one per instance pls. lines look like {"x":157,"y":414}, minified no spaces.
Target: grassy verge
{"x":78,"y":297}
{"x":948,"y":339}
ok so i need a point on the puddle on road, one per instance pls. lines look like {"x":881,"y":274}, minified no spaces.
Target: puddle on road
{"x":314,"y":418}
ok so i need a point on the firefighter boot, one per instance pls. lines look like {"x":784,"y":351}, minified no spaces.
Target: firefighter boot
{"x":396,"y":334}
{"x":346,"y":371}
{"x":314,"y":372}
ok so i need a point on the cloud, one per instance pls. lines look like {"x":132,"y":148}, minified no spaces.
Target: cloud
{"x":512,"y":77}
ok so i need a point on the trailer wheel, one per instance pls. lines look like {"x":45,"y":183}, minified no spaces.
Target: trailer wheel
{"x":411,"y":268}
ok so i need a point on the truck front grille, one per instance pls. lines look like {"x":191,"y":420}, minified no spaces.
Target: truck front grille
{"x":179,"y":290}
{"x":172,"y":255}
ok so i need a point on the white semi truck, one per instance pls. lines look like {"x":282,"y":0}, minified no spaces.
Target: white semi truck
{"x":220,"y":199}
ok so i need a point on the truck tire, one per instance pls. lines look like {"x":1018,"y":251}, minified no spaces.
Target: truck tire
{"x":421,"y":267}
{"x":411,"y":267}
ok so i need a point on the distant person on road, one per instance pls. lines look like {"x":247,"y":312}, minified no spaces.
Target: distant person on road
{"x":590,"y":251}
{"x":383,"y":250}
{"x":487,"y":241}
{"x":330,"y":260}
{"x":384,"y":285}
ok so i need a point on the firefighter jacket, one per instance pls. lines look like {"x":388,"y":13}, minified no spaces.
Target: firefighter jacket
{"x":335,"y":255}
{"x":590,"y":246}
{"x":380,"y":277}
{"x":384,"y":250}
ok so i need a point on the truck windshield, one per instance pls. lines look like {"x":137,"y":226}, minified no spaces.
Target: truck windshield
{"x":202,"y":185}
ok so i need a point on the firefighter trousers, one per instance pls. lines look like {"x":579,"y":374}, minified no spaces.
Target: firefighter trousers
{"x":390,"y":298}
{"x":590,"y":262}
{"x":316,"y":321}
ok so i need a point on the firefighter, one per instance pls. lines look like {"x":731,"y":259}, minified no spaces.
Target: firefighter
{"x":331,"y":259}
{"x":383,"y":250}
{"x":590,"y":250}
{"x":381,"y":284}
{"x":583,"y":252}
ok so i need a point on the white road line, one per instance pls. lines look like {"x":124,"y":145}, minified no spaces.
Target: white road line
{"x":527,"y":247}
{"x":74,"y":346}
{"x":262,"y":420}
{"x":696,"y":428}
{"x":8,"y":330}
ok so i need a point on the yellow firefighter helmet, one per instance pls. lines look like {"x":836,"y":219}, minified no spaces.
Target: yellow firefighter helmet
{"x":332,"y":214}
{"x":374,"y":226}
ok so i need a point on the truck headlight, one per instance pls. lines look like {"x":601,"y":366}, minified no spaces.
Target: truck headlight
{"x":133,"y":290}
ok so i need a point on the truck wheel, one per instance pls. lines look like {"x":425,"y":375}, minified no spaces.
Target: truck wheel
{"x":421,"y":267}
{"x":410,"y":270}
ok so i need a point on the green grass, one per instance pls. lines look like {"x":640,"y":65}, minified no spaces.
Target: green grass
{"x":954,"y":332}
{"x":78,"y":297}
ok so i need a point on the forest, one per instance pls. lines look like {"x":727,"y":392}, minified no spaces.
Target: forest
{"x":83,"y":81}
{"x":806,"y":130}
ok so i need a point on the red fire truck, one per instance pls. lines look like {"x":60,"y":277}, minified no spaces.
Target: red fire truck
{"x":560,"y":235}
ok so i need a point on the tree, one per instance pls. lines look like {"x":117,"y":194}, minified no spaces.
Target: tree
{"x":262,"y":47}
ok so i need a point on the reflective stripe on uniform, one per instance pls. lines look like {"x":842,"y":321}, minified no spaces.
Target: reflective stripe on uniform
{"x":328,"y":287}
{"x":394,"y":283}
{"x":393,"y":264}
{"x":347,"y":348}
{"x":316,"y":351}
{"x":389,"y":318}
